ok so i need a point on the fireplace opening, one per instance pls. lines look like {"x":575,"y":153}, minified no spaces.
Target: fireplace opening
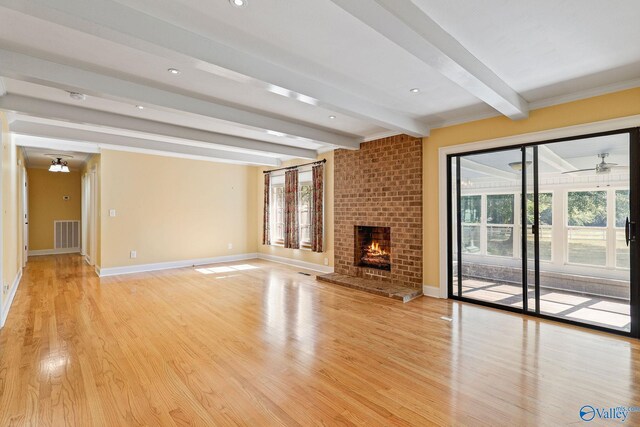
{"x":372,"y":247}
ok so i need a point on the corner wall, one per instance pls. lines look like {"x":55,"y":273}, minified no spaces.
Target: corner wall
{"x":599,"y":108}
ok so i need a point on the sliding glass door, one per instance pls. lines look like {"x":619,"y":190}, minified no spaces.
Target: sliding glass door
{"x":549,"y":229}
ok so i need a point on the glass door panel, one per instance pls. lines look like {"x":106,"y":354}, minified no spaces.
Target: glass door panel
{"x":489,"y":220}
{"x":584,"y":207}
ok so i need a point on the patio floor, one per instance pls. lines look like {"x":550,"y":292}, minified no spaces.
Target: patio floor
{"x":591,"y":309}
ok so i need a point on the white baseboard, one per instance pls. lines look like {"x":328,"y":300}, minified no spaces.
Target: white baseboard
{"x":39,"y":252}
{"x":297,"y":263}
{"x":430,"y":291}
{"x":140,"y":268}
{"x":10,"y":296}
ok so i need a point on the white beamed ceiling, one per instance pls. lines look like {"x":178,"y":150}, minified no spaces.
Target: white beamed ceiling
{"x":323,"y":60}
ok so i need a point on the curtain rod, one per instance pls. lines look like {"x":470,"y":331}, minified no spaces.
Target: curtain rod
{"x":296,"y":166}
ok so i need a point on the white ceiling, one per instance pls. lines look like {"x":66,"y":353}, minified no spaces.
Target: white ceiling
{"x":271,"y":74}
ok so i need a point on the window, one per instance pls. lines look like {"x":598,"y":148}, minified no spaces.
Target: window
{"x":622,"y":213}
{"x":545,"y":208}
{"x":500,"y":224}
{"x":470,"y":209}
{"x":587,"y":227}
{"x":277,"y":216}
{"x":305,"y":201}
{"x":304,"y":209}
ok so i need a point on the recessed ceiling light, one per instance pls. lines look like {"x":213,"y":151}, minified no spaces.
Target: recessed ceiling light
{"x":140,"y":107}
{"x":414,"y":90}
{"x":332,"y":117}
{"x":78,"y":96}
{"x":238,"y":3}
{"x":173,"y":71}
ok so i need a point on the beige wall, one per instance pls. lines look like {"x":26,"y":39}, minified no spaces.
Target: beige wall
{"x":46,"y":204}
{"x":301,"y":254}
{"x":170,"y":209}
{"x":610,"y":106}
{"x":12,"y":162}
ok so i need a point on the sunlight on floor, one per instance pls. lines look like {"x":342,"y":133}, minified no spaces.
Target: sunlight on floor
{"x":226,"y":269}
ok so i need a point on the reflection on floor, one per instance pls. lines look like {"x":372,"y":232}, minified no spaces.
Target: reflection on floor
{"x":592,"y":309}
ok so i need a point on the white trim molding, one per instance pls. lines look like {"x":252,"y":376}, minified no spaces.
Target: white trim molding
{"x":40,"y":252}
{"x":297,"y":263}
{"x":10,"y":296}
{"x":140,"y":268}
{"x":525,"y":138}
{"x":432,"y":291}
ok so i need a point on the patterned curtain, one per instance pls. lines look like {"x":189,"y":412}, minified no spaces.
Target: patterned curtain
{"x":291,"y":237}
{"x":266,"y":237}
{"x":317,"y":208}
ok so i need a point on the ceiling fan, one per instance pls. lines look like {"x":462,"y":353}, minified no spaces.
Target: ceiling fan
{"x":600,"y":168}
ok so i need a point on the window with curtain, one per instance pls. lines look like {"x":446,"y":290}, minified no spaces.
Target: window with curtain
{"x":309,"y":209}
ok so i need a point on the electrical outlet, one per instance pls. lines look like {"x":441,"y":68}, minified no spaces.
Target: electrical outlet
{"x":326,"y":261}
{"x":230,"y":246}
{"x":6,"y":287}
{"x":133,"y":254}
{"x":112,"y":212}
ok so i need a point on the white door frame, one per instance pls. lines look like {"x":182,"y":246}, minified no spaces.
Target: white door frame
{"x":25,"y":216}
{"x":83,"y":215}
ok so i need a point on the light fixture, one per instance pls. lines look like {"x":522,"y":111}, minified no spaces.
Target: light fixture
{"x":332,"y":117}
{"x":58,"y":165}
{"x":140,"y":107}
{"x":238,"y":3}
{"x":517,"y":166}
{"x":414,"y":90}
{"x":77,"y":96}
{"x":173,"y":70}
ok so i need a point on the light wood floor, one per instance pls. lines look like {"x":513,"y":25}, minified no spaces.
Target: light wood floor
{"x":269,"y":346}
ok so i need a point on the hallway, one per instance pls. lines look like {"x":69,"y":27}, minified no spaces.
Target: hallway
{"x":257,"y":343}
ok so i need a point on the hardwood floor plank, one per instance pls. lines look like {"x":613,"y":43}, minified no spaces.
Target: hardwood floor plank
{"x":256,"y":343}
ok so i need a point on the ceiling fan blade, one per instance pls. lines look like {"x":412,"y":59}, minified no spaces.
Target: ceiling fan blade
{"x":611,"y":164}
{"x":579,"y":170}
{"x":620,"y":167}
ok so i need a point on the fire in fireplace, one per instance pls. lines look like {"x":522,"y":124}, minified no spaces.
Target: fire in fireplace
{"x":373,"y":247}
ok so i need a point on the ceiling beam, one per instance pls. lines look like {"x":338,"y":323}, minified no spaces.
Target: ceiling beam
{"x":72,"y":114}
{"x":549,"y":156}
{"x":409,"y":27}
{"x":488,"y":170}
{"x":53,"y":74}
{"x":121,"y":24}
{"x":117,"y":142}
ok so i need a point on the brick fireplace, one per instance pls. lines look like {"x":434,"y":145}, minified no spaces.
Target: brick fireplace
{"x":372,"y":247}
{"x":380,"y":187}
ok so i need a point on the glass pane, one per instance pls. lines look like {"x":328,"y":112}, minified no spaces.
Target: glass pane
{"x":471,"y":208}
{"x":471,"y":239}
{"x":545,"y":206}
{"x":500,"y":241}
{"x":545,"y":244}
{"x":491,"y":266}
{"x":500,"y":209}
{"x":587,"y":208}
{"x":622,"y":207}
{"x":622,"y":250}
{"x":588,"y":246}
